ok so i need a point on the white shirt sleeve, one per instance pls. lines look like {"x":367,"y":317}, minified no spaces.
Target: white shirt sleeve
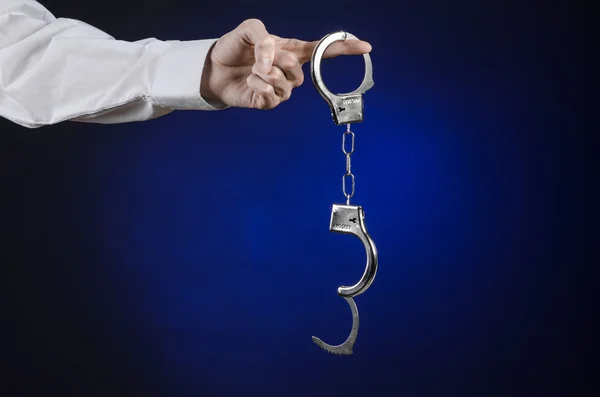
{"x":52,"y":70}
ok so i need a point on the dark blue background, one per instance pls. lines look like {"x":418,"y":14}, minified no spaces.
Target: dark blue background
{"x":190,"y":255}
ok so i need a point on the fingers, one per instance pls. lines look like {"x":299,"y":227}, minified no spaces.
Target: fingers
{"x":348,"y":47}
{"x":264,"y":96}
{"x":269,"y":89}
{"x":277,"y":79}
{"x":305,"y":49}
{"x":288,"y":63}
{"x":285,"y":75}
{"x":255,"y":33}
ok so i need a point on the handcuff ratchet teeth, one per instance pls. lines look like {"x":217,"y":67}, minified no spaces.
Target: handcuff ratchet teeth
{"x":348,"y":219}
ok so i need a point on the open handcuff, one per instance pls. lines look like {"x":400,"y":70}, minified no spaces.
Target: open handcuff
{"x":348,"y":219}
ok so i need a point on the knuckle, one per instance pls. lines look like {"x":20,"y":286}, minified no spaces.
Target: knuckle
{"x":266,"y":44}
{"x":287,"y":94}
{"x":261,"y":103}
{"x":253,"y":22}
{"x":267,"y":102}
{"x":289,"y":61}
{"x":273,"y":100}
{"x":277,"y":74}
{"x":275,"y":77}
{"x":268,"y":91}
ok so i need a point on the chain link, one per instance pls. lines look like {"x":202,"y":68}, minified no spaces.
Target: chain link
{"x":348,"y":163}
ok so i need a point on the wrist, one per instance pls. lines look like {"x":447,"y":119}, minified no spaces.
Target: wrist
{"x":206,"y":89}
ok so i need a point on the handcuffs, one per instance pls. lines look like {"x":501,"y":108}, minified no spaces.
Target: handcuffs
{"x":348,"y":219}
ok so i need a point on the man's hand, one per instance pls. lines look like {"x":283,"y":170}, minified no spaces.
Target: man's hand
{"x":250,"y":68}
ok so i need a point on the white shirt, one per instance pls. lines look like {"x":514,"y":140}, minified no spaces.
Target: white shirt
{"x":57,"y":69}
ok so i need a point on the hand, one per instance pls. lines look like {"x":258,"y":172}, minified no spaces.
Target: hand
{"x":250,"y":68}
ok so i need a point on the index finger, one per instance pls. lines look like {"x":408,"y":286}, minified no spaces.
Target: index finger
{"x":304,"y":49}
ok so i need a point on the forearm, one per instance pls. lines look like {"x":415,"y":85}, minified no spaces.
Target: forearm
{"x":52,"y":70}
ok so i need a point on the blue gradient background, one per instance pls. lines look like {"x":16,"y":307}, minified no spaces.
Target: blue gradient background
{"x":190,"y":255}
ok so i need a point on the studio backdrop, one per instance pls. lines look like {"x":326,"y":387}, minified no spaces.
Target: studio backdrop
{"x":191,"y":255}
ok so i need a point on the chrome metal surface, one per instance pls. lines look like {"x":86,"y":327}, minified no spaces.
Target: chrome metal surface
{"x":348,"y":107}
{"x":348,"y":173}
{"x":349,"y":219}
{"x":346,"y":347}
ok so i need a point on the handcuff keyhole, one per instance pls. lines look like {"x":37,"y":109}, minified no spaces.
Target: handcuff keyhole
{"x":341,"y":109}
{"x":353,"y":220}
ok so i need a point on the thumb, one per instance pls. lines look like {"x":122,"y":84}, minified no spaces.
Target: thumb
{"x":254,"y":31}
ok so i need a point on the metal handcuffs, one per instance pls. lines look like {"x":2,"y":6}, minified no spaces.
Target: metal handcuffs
{"x":348,"y":219}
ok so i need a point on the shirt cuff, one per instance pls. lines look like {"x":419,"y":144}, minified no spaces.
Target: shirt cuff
{"x":178,"y":76}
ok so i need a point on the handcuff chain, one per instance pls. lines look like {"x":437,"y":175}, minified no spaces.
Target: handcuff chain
{"x":348,"y":173}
